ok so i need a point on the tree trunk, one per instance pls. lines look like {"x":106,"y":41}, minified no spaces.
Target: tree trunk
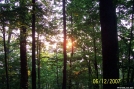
{"x":23,"y":52}
{"x":38,"y":57}
{"x":33,"y":48}
{"x":109,"y":42}
{"x":64,"y":47}
{"x":132,"y":74}
{"x":5,"y":56}
{"x":23,"y":58}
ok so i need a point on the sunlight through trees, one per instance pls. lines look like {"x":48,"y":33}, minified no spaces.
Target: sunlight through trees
{"x":66,"y":44}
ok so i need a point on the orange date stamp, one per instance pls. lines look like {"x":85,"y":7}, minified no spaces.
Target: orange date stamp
{"x":106,"y":81}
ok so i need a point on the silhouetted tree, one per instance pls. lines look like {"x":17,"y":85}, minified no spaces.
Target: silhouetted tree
{"x":64,"y":47}
{"x":33,"y":48}
{"x":109,"y":42}
{"x":23,"y":54}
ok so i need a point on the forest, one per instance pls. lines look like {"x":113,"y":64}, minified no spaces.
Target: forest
{"x":66,"y":44}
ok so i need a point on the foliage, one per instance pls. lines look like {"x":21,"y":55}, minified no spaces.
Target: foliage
{"x":83,"y":29}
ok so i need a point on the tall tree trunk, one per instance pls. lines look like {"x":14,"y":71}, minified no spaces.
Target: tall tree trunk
{"x":38,"y":57}
{"x":23,"y":51}
{"x":33,"y":48}
{"x":109,"y":42}
{"x":132,"y":74}
{"x":64,"y":47}
{"x":8,"y":50}
{"x":120,"y":53}
{"x":5,"y":56}
{"x":129,"y":54}
{"x":23,"y":58}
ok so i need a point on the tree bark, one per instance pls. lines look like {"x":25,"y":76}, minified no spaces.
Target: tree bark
{"x":38,"y":57}
{"x":33,"y":48}
{"x":109,"y":42}
{"x":64,"y":47}
{"x":132,"y":74}
{"x":5,"y":56}
{"x":23,"y":54}
{"x":23,"y":58}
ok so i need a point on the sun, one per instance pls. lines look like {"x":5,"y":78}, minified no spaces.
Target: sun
{"x":69,"y":44}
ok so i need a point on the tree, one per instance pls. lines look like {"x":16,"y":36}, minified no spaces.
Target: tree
{"x":64,"y":47}
{"x":109,"y":42}
{"x":130,"y":47}
{"x":3,"y":20}
{"x":23,"y":58}
{"x":33,"y":48}
{"x":23,"y":52}
{"x":5,"y":56}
